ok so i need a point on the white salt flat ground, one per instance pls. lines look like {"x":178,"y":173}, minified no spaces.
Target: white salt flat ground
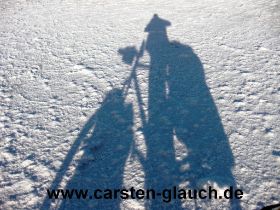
{"x":58,"y":59}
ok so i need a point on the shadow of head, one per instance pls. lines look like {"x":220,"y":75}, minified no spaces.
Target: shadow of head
{"x":157,"y":24}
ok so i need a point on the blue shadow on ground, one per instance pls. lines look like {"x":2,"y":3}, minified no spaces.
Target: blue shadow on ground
{"x":179,"y":104}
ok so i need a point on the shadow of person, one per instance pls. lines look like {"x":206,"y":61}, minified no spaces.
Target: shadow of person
{"x":181,"y":111}
{"x":105,"y":141}
{"x":181,"y":107}
{"x":161,"y":168}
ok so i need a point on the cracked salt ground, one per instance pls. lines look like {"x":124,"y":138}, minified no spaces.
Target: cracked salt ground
{"x":63,"y":66}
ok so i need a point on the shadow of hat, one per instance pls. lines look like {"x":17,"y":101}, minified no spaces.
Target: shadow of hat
{"x":157,"y":24}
